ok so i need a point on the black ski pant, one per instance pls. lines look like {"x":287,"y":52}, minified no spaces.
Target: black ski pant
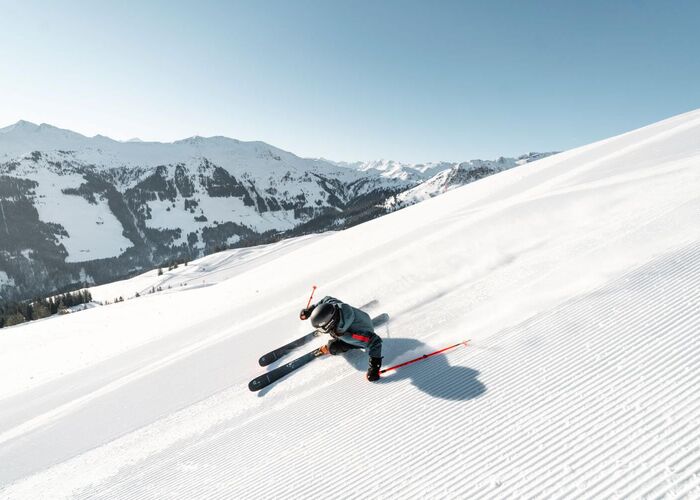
{"x":336,"y":346}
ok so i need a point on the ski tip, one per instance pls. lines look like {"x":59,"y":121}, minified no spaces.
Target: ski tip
{"x":369,"y":304}
{"x":255,"y":385}
{"x":380,"y":320}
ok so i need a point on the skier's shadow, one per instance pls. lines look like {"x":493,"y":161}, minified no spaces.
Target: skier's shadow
{"x":434,"y":376}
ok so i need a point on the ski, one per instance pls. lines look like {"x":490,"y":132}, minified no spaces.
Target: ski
{"x":274,"y":375}
{"x":280,"y":352}
{"x":276,"y":354}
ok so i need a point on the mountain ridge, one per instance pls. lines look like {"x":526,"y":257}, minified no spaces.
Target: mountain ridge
{"x":79,"y":210}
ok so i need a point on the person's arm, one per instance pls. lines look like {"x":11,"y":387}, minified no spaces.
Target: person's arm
{"x":306,"y":312}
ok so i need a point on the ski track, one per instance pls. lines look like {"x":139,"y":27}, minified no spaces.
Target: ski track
{"x":626,"y":367}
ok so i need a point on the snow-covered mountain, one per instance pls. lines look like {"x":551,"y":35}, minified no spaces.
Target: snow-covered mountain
{"x":576,"y":279}
{"x":410,"y":172}
{"x":76,"y":210}
{"x":453,"y":175}
{"x":418,"y":173}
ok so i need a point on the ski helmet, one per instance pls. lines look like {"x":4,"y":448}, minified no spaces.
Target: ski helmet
{"x":325,"y":317}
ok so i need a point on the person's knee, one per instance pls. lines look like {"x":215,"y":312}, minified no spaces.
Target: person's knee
{"x":336,"y":347}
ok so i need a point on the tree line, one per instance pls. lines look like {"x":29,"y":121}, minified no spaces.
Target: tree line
{"x":21,"y":312}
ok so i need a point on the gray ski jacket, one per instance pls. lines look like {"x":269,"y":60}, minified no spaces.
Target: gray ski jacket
{"x":355,"y":328}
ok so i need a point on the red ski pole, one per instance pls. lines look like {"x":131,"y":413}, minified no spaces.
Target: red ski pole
{"x":424,"y":356}
{"x":311,"y":296}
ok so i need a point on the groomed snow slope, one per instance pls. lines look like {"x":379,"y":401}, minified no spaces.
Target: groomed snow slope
{"x":205,"y":271}
{"x":577,"y":278}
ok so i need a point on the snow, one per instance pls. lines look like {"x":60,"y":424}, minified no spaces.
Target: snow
{"x":166,"y":214}
{"x":93,"y":231}
{"x":256,"y":159}
{"x":413,"y":172}
{"x":423,"y":191}
{"x":5,"y":280}
{"x":208,"y":270}
{"x":576,"y":279}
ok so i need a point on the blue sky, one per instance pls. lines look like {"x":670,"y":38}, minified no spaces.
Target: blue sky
{"x":353,"y":80}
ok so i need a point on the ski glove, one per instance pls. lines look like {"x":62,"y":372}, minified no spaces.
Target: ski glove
{"x":306,"y":312}
{"x":373,"y":371}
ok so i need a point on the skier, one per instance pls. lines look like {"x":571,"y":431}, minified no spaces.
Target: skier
{"x":350,"y":328}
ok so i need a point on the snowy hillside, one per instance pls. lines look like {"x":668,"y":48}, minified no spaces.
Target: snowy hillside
{"x":80,"y":210}
{"x":576,"y":279}
{"x":77,"y":210}
{"x":206,"y":271}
